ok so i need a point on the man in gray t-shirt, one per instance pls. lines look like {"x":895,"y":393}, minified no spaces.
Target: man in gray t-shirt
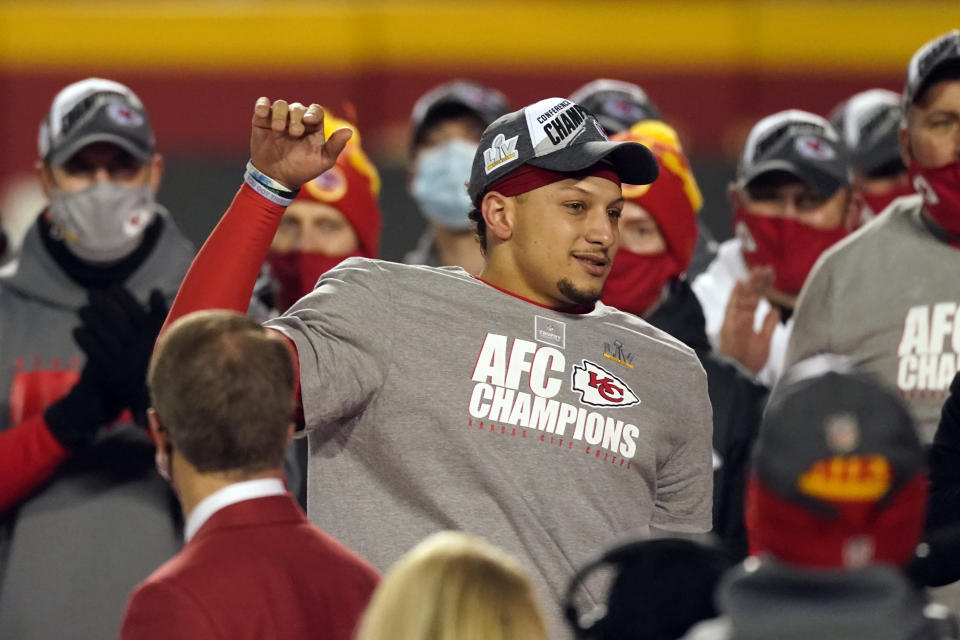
{"x":887,"y":295}
{"x":512,"y":405}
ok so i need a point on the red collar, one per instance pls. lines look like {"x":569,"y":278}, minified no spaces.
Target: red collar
{"x":576,"y":310}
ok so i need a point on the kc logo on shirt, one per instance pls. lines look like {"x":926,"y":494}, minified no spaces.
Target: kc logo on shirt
{"x":600,"y":388}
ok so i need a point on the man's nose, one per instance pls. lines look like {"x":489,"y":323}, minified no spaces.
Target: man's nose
{"x":100,"y":174}
{"x":601,"y":228}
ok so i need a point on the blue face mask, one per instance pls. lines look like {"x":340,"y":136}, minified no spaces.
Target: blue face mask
{"x":439,"y":183}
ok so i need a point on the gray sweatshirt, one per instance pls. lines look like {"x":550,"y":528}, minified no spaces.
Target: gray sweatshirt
{"x":71,"y":553}
{"x":436,"y":401}
{"x":887,"y":297}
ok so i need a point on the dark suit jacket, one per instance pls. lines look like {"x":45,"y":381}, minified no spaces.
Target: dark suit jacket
{"x":255,"y":569}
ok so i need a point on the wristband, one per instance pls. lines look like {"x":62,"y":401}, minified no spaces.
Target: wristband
{"x":268,"y":187}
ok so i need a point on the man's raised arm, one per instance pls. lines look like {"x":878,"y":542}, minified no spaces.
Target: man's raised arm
{"x":287,"y":148}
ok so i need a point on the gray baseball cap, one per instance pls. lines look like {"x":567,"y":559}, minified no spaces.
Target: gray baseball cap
{"x":869,"y":125}
{"x":800,"y":143}
{"x":617,"y":105}
{"x":942,"y":50}
{"x":558,"y":135}
{"x":95,"y":110}
{"x":825,"y":414}
{"x":488,"y":104}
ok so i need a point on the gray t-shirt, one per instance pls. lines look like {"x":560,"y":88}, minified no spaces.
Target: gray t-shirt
{"x":436,"y":401}
{"x":887,"y":297}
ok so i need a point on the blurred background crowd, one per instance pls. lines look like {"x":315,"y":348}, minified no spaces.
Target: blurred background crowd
{"x":713,"y":68}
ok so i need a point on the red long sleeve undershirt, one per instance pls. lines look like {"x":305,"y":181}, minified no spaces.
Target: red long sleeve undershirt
{"x":29,"y":454}
{"x":223,"y":273}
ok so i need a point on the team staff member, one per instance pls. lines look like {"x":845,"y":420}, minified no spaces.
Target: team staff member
{"x":836,"y":501}
{"x":658,"y":230}
{"x":102,"y":246}
{"x":791,"y":200}
{"x":869,"y":124}
{"x":253,"y":567}
{"x":887,"y":296}
{"x":447,"y":124}
{"x":434,"y":399}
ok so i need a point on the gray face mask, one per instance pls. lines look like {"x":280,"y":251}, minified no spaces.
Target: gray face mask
{"x":104,"y":222}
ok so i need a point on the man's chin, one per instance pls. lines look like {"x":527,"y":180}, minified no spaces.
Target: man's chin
{"x":577,"y":295}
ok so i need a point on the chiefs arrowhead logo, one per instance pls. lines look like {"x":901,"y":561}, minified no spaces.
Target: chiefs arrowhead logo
{"x":600,"y":388}
{"x":815,"y":148}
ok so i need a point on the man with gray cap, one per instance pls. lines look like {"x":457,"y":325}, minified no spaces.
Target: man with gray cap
{"x":887,"y":295}
{"x":791,"y":199}
{"x":836,"y":504}
{"x":447,"y":124}
{"x":869,"y":124}
{"x":497,"y":404}
{"x":83,"y":515}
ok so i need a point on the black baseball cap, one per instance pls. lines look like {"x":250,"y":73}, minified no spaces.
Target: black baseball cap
{"x":617,"y":105}
{"x":486,"y":103}
{"x":832,"y":434}
{"x":941,"y":51}
{"x":95,"y":110}
{"x":869,"y":125}
{"x":555,"y":134}
{"x":801,"y":143}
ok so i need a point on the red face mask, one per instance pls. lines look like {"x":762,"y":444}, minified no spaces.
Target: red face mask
{"x":877,"y":203}
{"x":940,"y":189}
{"x":790,"y":247}
{"x":297,"y":273}
{"x":636,"y":281}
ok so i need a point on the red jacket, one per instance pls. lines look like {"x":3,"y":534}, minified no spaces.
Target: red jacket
{"x":255,"y":569}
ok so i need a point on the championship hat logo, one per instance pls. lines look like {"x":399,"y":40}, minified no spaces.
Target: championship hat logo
{"x":501,"y":152}
{"x":862,"y":478}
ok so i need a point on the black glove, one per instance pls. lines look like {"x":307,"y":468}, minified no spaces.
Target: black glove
{"x":74,"y":419}
{"x":117,"y":335}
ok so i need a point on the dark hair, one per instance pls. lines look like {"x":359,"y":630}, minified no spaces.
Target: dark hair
{"x":442,"y":113}
{"x":223,"y":388}
{"x":479,"y":226}
{"x":947,"y":71}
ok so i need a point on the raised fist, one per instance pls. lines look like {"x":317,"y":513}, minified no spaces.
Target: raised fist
{"x":287,"y":141}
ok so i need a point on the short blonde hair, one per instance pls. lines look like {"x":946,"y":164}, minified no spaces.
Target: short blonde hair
{"x":454,"y":587}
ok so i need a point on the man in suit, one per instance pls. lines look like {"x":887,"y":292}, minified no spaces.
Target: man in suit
{"x":253,"y":566}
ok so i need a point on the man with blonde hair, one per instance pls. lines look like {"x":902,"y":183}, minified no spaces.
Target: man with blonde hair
{"x":452,"y":586}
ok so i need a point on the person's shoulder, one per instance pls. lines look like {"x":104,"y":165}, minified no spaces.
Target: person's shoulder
{"x":333,"y":555}
{"x":386,"y":268}
{"x":888,"y":227}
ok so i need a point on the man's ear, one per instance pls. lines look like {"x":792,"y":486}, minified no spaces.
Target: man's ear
{"x":156,"y":172}
{"x":498,"y":212}
{"x":43,"y":174}
{"x":735,"y":195}
{"x":855,"y":204}
{"x":291,"y":428}
{"x":906,"y":154}
{"x":157,"y":431}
